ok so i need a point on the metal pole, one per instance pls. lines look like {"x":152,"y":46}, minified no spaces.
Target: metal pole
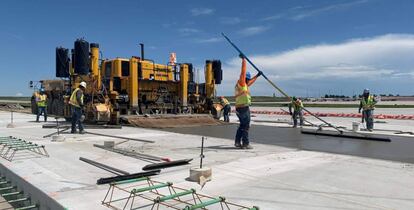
{"x":202,"y":152}
{"x":57,"y":126}
{"x":274,"y":85}
{"x":100,"y":165}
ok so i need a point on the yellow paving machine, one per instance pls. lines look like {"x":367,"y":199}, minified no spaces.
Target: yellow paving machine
{"x":129,"y":88}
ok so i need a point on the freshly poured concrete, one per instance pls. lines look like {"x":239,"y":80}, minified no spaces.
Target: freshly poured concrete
{"x":271,"y":176}
{"x":400,"y":149}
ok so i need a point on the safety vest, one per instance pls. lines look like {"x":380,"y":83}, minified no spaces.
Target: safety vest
{"x":73,"y":101}
{"x":224,"y":102}
{"x":297,"y":105}
{"x":242,"y":94}
{"x":41,"y":100}
{"x":369,"y":103}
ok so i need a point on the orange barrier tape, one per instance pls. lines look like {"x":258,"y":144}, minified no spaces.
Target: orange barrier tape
{"x":349,"y":115}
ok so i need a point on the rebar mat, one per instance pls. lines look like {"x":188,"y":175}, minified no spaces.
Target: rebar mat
{"x":145,"y":193}
{"x":14,"y":197}
{"x":10,"y":146}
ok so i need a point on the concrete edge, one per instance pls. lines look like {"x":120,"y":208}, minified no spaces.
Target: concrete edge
{"x":37,"y":196}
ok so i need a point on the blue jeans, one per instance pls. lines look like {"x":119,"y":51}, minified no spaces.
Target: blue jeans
{"x":41,"y":110}
{"x":76,"y":115}
{"x":226,"y":112}
{"x":295,"y":116}
{"x":369,"y":118}
{"x":242,"y":135}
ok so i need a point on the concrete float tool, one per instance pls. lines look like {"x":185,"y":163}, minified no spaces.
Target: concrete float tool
{"x":104,"y":167}
{"x":166,"y":164}
{"x":137,"y":155}
{"x":340,"y":133}
{"x":120,"y":174}
{"x":127,"y":177}
{"x":156,"y":162}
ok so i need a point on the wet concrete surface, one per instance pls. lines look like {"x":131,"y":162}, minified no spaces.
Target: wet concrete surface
{"x":399,"y":149}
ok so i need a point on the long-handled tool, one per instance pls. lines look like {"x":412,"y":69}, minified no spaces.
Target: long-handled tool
{"x":156,"y":162}
{"x":104,"y":167}
{"x":274,"y":85}
{"x":120,"y":137}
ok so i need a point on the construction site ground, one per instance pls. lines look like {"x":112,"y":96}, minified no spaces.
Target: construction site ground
{"x":285,"y":170}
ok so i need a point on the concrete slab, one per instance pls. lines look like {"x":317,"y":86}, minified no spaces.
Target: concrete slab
{"x":400,"y":149}
{"x":278,"y":174}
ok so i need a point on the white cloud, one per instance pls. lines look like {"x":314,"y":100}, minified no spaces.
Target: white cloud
{"x":230,"y":20}
{"x":209,"y":40}
{"x":274,"y":17}
{"x":201,"y":11}
{"x":370,"y":59}
{"x":19,"y":94}
{"x":328,"y":8}
{"x":188,"y":31}
{"x":302,"y":12}
{"x":250,"y":31}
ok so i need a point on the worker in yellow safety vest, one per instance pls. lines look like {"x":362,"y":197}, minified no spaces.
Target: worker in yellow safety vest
{"x":243,"y":102}
{"x":367,"y":105}
{"x":77,"y":103}
{"x":297,"y":106}
{"x":41,"y":102}
{"x":226,"y":108}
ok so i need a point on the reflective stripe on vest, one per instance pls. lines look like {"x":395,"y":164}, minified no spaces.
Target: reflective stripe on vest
{"x":41,"y":100}
{"x":297,"y":105}
{"x":73,"y":100}
{"x":368,"y":104}
{"x":242,"y":95}
{"x":224,"y":102}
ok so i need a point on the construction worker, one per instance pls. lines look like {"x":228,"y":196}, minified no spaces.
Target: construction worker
{"x":367,"y":105}
{"x":76,"y":101}
{"x":243,"y":101}
{"x":41,"y":102}
{"x":297,"y":111}
{"x":226,"y":108}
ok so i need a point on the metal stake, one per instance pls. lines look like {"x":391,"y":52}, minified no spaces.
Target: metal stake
{"x":202,"y":151}
{"x":11,"y":124}
{"x":57,"y":126}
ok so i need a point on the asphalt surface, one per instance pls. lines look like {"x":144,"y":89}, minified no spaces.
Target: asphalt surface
{"x":399,"y":149}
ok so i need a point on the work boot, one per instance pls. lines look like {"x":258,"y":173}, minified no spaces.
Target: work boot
{"x":82,"y":132}
{"x":73,"y":131}
{"x":247,"y":146}
{"x":238,"y":145}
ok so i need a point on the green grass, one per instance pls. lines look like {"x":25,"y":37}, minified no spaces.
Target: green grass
{"x":15,"y":98}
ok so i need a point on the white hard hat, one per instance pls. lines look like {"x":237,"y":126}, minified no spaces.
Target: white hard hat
{"x":83,"y":84}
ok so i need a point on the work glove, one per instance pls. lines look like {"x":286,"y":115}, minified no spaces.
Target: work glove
{"x":241,"y":56}
{"x":259,"y":74}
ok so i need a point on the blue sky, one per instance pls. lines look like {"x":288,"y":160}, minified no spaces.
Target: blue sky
{"x":306,"y":47}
